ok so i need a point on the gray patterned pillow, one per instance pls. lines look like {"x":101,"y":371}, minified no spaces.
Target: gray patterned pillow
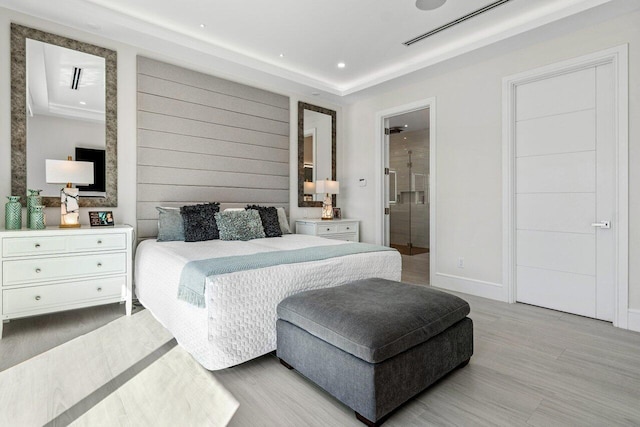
{"x":170,"y":224}
{"x":199,"y":222}
{"x":239,"y":225}
{"x":269,"y":218}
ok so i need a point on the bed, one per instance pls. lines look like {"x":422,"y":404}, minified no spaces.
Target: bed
{"x":238,"y":321}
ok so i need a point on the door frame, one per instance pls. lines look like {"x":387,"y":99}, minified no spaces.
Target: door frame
{"x":618,"y":58}
{"x":380,"y":160}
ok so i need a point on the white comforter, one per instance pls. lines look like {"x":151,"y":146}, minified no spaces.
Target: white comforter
{"x":238,"y":323}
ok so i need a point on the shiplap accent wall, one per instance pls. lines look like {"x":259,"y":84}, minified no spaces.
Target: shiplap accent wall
{"x":206,"y":139}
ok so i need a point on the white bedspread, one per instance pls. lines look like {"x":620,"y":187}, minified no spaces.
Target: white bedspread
{"x":238,"y":323}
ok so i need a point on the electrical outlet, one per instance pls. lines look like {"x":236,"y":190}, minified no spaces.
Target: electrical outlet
{"x":460,"y":262}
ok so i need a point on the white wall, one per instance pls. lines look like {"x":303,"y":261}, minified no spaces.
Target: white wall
{"x":469,"y":155}
{"x":126,"y":210}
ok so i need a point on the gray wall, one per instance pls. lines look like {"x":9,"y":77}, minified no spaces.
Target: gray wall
{"x":202,"y":138}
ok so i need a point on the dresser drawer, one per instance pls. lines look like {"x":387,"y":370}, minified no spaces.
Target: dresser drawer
{"x":327,"y":229}
{"x":96,"y":242}
{"x":26,"y":246}
{"x":349,"y":237}
{"x":47,"y":297}
{"x":68,"y":267}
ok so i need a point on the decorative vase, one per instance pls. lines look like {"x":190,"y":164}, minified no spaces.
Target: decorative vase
{"x":33,"y":199}
{"x":13,"y":213}
{"x":36,"y":218}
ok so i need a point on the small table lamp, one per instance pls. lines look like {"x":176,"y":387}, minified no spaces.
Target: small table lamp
{"x":328,"y":188}
{"x":68,"y":171}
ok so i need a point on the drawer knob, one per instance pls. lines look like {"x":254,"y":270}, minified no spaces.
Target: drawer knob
{"x":37,"y":245}
{"x":38,"y":270}
{"x":348,"y":228}
{"x":37,"y":297}
{"x":328,"y":229}
{"x":99,"y":264}
{"x":99,"y":289}
{"x":99,"y":242}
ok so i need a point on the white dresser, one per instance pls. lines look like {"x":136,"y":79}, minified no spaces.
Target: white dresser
{"x":339,"y":229}
{"x":61,"y":269}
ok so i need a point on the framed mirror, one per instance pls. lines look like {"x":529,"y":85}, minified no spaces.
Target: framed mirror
{"x":63,"y":103}
{"x":316,"y":152}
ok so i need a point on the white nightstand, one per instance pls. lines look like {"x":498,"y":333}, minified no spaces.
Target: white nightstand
{"x":338,"y":229}
{"x":61,"y":269}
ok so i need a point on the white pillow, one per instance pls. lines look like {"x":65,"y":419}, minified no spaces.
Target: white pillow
{"x":284,"y":222}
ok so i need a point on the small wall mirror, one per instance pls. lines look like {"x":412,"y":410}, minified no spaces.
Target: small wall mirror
{"x":63,"y":104}
{"x":316,"y":151}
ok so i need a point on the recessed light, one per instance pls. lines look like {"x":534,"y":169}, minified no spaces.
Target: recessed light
{"x":406,"y":126}
{"x":429,"y":4}
{"x":83,"y":103}
{"x":405,"y":137}
{"x":341,"y":65}
{"x":282,"y":55}
{"x":203,"y":26}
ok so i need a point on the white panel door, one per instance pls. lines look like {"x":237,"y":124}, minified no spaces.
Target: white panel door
{"x":565,"y":183}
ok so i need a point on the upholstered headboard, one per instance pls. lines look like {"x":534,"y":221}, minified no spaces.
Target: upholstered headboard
{"x":204,"y":139}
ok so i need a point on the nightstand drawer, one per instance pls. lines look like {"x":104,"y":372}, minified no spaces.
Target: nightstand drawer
{"x":27,"y":246}
{"x":327,"y":229}
{"x":97,"y":242}
{"x":43,"y":269}
{"x":37,"y":298}
{"x":347,"y":228}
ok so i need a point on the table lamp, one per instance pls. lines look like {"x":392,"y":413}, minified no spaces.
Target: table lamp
{"x":327,"y":188}
{"x":68,"y":172}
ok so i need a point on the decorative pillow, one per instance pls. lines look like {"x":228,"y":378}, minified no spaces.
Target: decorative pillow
{"x":199,"y":222}
{"x":239,"y":225}
{"x":284,"y":222}
{"x":170,"y":224}
{"x":269,"y":218}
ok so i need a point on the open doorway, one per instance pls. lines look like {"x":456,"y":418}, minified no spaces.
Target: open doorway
{"x":406,"y":191}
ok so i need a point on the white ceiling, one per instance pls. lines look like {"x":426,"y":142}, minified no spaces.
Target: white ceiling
{"x":313,"y":36}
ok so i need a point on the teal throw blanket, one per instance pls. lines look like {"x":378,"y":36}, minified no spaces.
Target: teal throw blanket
{"x":195,"y":273}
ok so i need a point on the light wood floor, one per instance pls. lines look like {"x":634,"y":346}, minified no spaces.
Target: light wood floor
{"x":531,"y":366}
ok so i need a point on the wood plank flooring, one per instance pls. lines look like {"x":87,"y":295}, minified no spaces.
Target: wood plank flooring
{"x":531,"y":367}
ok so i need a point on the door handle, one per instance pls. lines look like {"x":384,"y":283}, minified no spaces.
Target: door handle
{"x":602,"y":224}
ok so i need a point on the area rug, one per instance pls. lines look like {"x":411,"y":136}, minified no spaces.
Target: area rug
{"x":128,"y":372}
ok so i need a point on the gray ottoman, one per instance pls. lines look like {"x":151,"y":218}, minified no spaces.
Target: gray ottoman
{"x":374,"y":343}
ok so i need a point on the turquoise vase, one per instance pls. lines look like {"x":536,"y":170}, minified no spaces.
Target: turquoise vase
{"x":13,"y":213}
{"x":36,"y":218}
{"x":33,"y":199}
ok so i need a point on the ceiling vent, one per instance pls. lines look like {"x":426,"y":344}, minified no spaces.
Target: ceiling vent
{"x":455,"y":22}
{"x":75,"y":81}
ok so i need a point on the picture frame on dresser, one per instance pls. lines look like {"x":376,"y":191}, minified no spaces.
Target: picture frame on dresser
{"x":58,"y":269}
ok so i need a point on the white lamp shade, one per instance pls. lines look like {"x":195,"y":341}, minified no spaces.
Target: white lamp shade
{"x":327,"y":187}
{"x":64,"y":171}
{"x":309,"y":188}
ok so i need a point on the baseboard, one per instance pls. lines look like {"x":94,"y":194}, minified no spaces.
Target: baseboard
{"x":634,"y":320}
{"x":465,"y":285}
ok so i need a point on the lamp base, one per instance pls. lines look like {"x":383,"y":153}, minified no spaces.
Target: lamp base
{"x":327,"y":208}
{"x":69,"y":208}
{"x":69,"y":226}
